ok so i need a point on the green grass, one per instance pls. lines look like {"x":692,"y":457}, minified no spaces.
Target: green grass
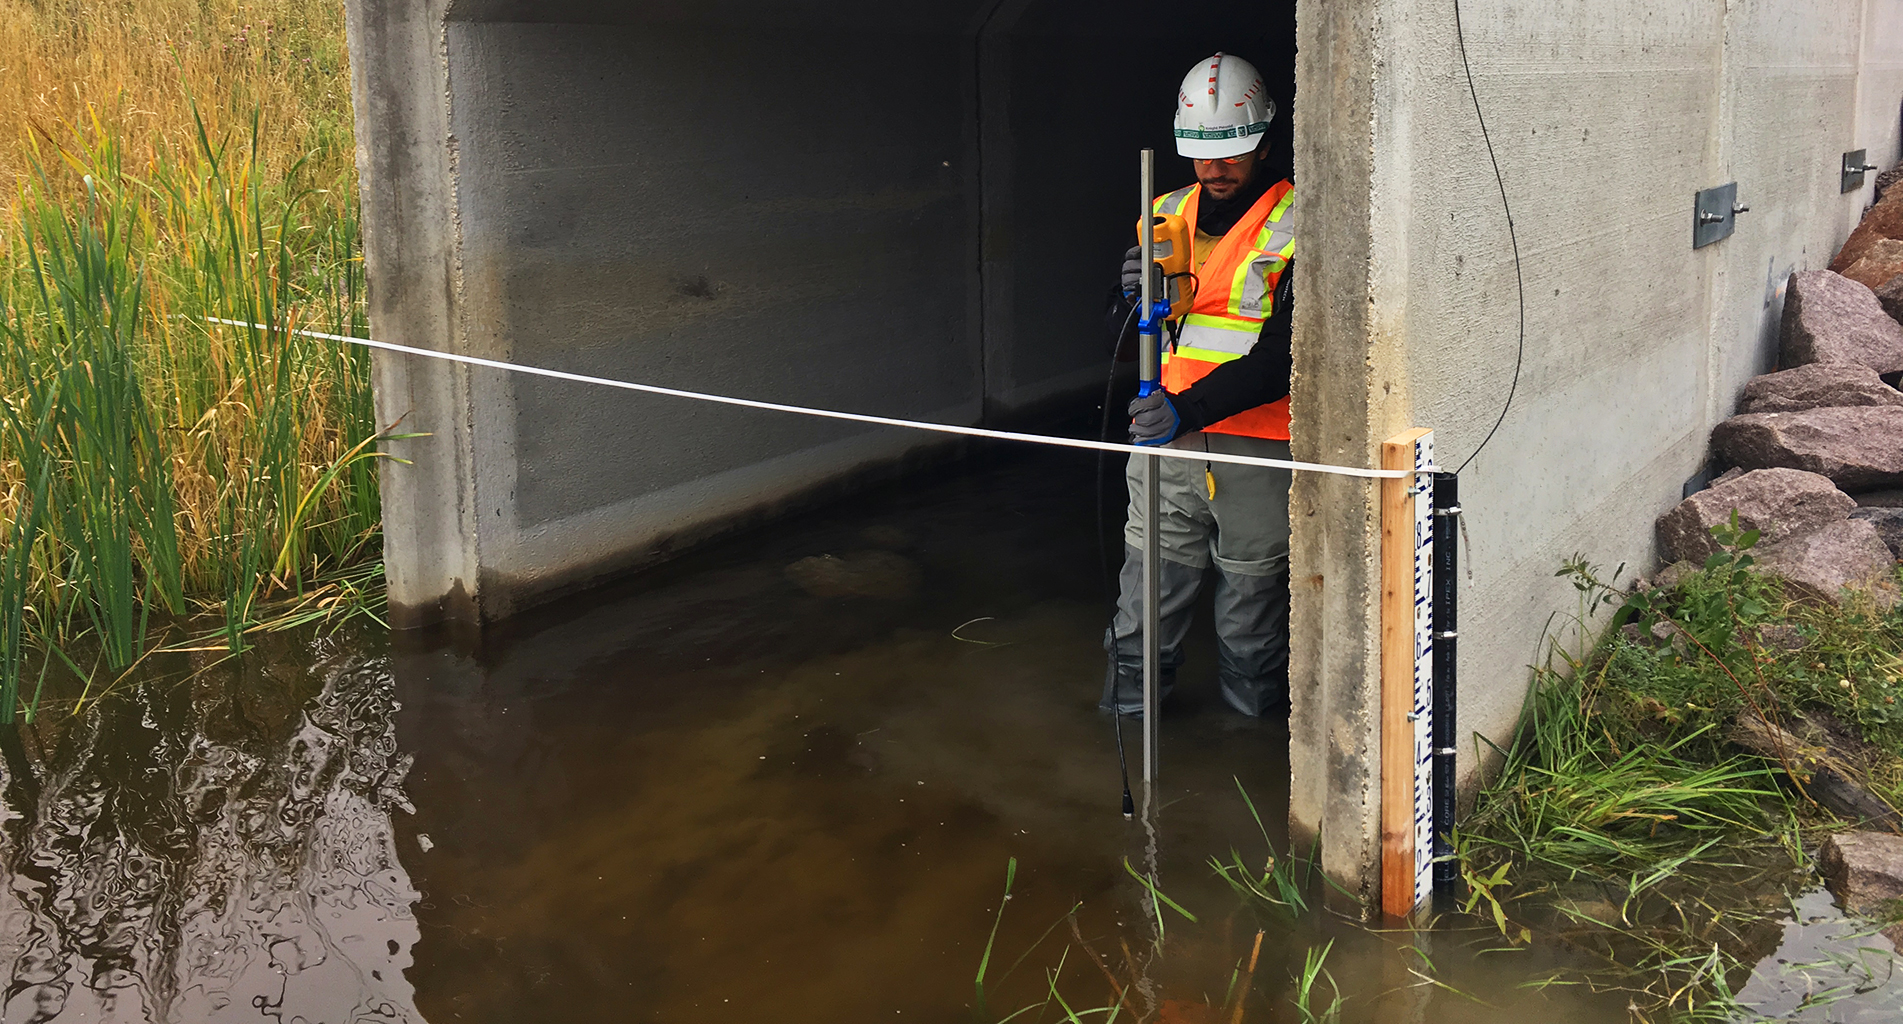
{"x":158,"y":469}
{"x":1624,"y":823}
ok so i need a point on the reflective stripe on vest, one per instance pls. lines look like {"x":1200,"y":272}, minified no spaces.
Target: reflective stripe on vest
{"x":1235,"y":294}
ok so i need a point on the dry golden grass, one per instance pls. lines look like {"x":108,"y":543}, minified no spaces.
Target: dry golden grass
{"x":246,"y":475}
{"x":137,"y":65}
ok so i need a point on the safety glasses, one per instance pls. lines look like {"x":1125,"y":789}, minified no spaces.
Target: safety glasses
{"x":1230,"y":160}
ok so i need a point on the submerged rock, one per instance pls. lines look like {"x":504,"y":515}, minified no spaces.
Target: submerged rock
{"x":1817,"y":386}
{"x":858,"y":574}
{"x":1776,"y":502}
{"x":1829,"y":318}
{"x":1863,"y":869}
{"x":895,"y":538}
{"x":1823,"y":563}
{"x":1889,"y":524}
{"x":1859,"y":448}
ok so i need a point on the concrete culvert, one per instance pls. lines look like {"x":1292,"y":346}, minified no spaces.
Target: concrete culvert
{"x":918,"y":211}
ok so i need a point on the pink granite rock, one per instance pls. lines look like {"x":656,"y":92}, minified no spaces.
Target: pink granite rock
{"x":1776,"y":502}
{"x":1825,"y":562}
{"x":1863,"y":869}
{"x":1829,"y":318}
{"x":1815,"y":386}
{"x":1860,"y":448}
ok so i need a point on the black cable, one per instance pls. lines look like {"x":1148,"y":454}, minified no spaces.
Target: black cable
{"x":1519,"y":279}
{"x":1103,"y":434}
{"x":1103,"y":570}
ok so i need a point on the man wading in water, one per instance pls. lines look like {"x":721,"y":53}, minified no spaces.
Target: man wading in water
{"x":1225,"y":389}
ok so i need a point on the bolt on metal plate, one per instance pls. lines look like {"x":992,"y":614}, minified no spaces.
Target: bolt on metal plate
{"x":1713,"y":214}
{"x":1853,"y":169}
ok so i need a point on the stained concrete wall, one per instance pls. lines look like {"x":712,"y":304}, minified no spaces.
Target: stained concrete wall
{"x":904,"y":210}
{"x":1605,"y":119}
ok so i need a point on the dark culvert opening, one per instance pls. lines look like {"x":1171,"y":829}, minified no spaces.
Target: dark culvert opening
{"x":917,"y":214}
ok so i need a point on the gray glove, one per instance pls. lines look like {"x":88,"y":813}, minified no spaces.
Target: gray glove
{"x":1133,"y":272}
{"x":1153,"y":419}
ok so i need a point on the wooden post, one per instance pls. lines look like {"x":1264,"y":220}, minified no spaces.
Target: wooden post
{"x":1406,"y":673}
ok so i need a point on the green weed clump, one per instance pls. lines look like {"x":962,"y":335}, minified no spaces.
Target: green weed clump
{"x":163,"y":162}
{"x":1625,"y":822}
{"x":156,"y":465}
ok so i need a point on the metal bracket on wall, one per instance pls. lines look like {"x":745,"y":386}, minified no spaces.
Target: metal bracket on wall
{"x":1713,"y":214}
{"x":1853,"y":169}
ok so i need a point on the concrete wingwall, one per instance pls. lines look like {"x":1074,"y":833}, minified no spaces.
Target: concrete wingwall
{"x":1605,"y":119}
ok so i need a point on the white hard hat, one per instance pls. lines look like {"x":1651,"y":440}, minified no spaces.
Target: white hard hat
{"x":1222,"y":109}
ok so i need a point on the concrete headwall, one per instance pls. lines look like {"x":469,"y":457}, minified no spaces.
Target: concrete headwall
{"x":908,"y":210}
{"x":1605,"y":119}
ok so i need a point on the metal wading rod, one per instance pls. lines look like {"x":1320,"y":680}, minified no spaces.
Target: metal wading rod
{"x":1149,"y":342}
{"x":1446,"y":639}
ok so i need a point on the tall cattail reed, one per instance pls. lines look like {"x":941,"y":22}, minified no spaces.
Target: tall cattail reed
{"x":156,"y":466}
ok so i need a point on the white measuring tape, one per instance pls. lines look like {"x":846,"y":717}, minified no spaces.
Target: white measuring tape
{"x":855,"y":417}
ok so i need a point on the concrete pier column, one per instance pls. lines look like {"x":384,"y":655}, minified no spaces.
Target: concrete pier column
{"x":405,"y":159}
{"x":1344,"y":358}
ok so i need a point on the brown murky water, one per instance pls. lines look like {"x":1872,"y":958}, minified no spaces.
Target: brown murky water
{"x":777,"y":780}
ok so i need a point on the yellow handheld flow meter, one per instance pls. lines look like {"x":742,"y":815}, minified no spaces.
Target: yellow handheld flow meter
{"x":1175,"y":249}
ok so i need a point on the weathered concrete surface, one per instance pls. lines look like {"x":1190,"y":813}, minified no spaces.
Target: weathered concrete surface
{"x":1829,"y":318}
{"x":1860,"y":448}
{"x":1816,"y":386}
{"x":1340,"y":415}
{"x":397,"y":87}
{"x":1777,"y":502}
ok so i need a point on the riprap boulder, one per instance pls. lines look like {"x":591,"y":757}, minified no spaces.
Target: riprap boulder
{"x":1829,"y":318}
{"x":1776,"y":502}
{"x":1884,"y":220}
{"x":1882,"y":261}
{"x":1859,"y":448}
{"x":1816,"y":386}
{"x":1890,"y":297}
{"x":1864,"y":870}
{"x":1889,"y":524}
{"x":1824,"y":562}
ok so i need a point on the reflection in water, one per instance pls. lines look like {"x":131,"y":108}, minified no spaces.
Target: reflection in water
{"x":778,"y":780}
{"x":213,"y":850}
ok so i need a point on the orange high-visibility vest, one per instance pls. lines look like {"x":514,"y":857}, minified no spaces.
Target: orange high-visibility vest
{"x":1235,"y":293}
